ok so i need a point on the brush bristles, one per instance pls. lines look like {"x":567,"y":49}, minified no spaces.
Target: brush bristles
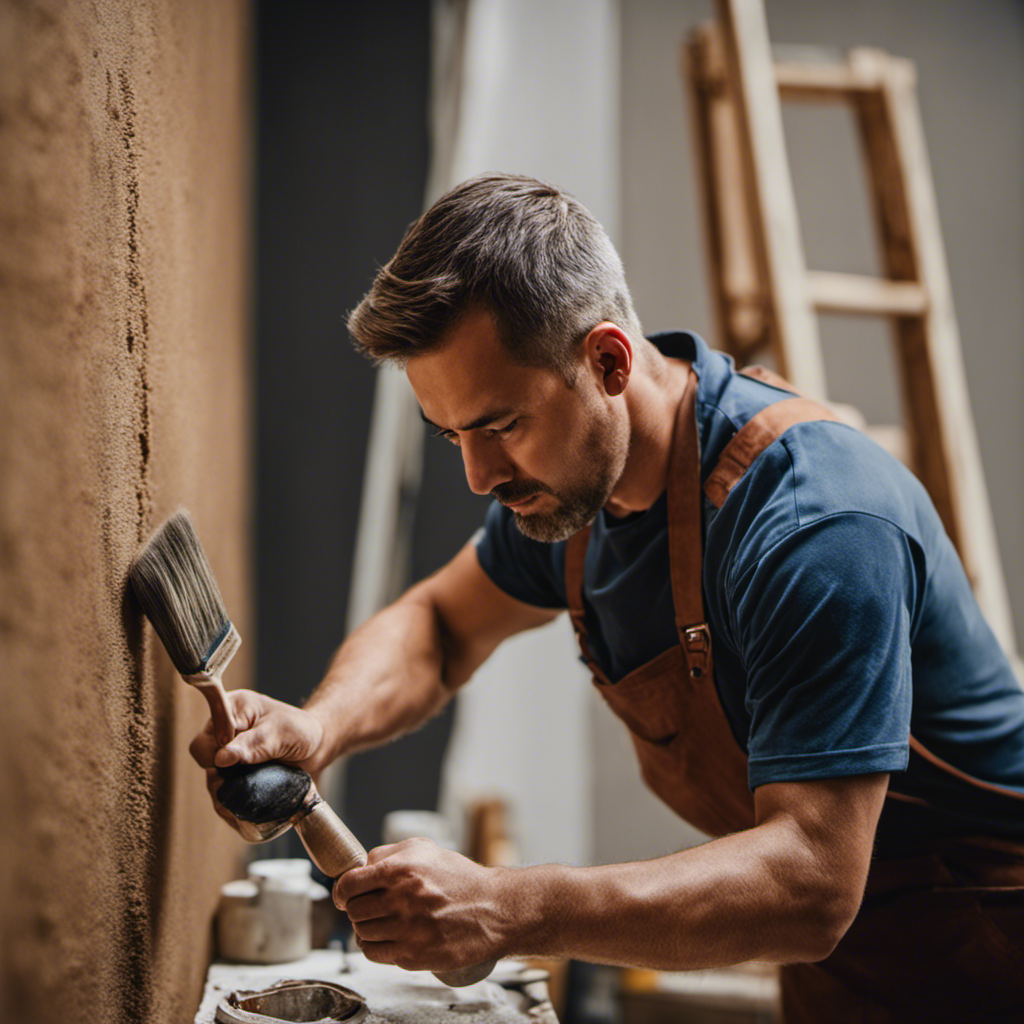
{"x":174,"y":583}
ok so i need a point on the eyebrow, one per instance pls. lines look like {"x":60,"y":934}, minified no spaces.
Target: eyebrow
{"x":481,"y":421}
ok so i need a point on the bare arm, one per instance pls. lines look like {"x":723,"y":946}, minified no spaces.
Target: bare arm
{"x":785,"y":890}
{"x":403,"y":665}
{"x":392,"y":674}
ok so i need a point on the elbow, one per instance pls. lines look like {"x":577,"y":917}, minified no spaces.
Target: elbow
{"x":821,"y":944}
{"x":824,"y":926}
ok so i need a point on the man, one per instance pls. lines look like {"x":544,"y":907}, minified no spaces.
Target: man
{"x":767,"y":600}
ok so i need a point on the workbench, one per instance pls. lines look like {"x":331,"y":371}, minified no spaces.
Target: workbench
{"x":514,"y":993}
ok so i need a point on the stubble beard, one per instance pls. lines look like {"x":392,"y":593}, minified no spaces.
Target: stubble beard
{"x":601,"y":463}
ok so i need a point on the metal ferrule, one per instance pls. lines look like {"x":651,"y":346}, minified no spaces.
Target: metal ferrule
{"x":217,"y":660}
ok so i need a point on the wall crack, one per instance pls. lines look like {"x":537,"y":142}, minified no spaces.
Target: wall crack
{"x":137,"y":327}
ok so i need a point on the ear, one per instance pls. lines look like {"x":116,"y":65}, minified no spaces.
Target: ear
{"x":609,"y":354}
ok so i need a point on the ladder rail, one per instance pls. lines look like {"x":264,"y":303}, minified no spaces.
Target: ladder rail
{"x":771,"y":204}
{"x":943,"y":434}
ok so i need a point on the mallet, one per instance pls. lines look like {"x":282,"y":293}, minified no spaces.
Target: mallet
{"x":173,"y":581}
{"x":270,"y":798}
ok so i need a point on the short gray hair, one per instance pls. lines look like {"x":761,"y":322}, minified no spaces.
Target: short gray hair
{"x":532,"y":255}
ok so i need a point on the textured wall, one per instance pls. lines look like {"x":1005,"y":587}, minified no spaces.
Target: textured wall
{"x":123,"y":166}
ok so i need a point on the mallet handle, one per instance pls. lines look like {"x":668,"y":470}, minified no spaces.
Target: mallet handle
{"x":334,"y":850}
{"x":332,"y":847}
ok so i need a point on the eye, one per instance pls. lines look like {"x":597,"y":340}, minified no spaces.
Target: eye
{"x":507,"y":429}
{"x":449,"y":435}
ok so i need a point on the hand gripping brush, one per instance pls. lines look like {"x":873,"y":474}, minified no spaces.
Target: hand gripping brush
{"x":173,"y":581}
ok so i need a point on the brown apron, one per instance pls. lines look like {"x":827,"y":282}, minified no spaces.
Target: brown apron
{"x":940,"y":935}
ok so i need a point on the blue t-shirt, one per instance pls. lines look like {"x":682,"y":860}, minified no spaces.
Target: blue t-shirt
{"x":841,"y":618}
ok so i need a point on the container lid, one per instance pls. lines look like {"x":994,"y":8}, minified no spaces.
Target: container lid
{"x":240,"y":889}
{"x":280,"y":867}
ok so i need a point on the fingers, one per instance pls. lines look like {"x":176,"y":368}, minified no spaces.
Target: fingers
{"x":266,"y":730}
{"x":204,"y":746}
{"x":379,"y":853}
{"x":379,"y":952}
{"x":253,"y":746}
{"x":214,"y":780}
{"x":378,"y":873}
{"x":380,"y":929}
{"x":367,"y":907}
{"x":374,"y":928}
{"x":356,"y":882}
{"x":245,"y":710}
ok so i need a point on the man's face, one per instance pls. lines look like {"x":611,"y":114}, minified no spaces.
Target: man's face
{"x":551,"y":453}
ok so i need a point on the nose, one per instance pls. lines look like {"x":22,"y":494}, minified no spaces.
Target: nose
{"x":485,"y":463}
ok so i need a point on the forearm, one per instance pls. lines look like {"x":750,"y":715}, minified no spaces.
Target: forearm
{"x":758,"y":894}
{"x":385,"y":680}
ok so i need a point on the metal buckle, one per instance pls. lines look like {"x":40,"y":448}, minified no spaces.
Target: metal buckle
{"x":698,"y":638}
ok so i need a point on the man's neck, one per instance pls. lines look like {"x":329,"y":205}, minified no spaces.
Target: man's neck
{"x":653,"y":395}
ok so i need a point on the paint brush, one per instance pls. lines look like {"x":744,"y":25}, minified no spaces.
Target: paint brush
{"x":173,"y":581}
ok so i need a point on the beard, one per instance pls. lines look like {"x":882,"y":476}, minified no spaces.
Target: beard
{"x":597,"y":466}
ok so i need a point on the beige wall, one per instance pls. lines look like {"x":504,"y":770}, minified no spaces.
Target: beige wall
{"x":123,"y":166}
{"x":969,"y":58}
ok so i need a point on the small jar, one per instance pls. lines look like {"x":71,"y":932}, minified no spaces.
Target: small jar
{"x":266,"y":918}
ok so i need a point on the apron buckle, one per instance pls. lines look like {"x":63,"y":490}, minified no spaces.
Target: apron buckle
{"x":697,"y":638}
{"x":697,"y":644}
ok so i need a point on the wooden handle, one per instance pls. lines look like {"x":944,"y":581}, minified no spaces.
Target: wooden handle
{"x":334,"y":850}
{"x":332,"y":847}
{"x":223,"y":723}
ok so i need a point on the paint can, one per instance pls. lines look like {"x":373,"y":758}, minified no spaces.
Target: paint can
{"x":324,"y":916}
{"x":266,"y":918}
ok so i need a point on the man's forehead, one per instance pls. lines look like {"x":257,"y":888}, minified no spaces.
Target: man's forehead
{"x":471,"y":380}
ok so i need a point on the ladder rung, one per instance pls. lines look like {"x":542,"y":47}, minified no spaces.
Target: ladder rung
{"x":830,"y":292}
{"x":799,"y":80}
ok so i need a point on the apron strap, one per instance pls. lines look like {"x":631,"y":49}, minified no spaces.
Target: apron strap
{"x":685,"y":536}
{"x":575,"y":557}
{"x":685,"y":533}
{"x":753,"y":437}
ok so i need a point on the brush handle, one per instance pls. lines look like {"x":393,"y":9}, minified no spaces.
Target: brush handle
{"x":220,"y":712}
{"x":334,"y":850}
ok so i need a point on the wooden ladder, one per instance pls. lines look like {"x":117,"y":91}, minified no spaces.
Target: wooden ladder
{"x":765,"y":298}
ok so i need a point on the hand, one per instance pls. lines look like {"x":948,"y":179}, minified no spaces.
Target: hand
{"x":265,"y":730}
{"x":424,"y":908}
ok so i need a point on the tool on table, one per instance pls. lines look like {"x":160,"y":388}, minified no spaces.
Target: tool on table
{"x":173,"y":581}
{"x":175,"y":585}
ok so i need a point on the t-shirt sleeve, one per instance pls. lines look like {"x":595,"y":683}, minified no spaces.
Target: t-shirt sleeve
{"x":823,"y":624}
{"x":528,"y":570}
